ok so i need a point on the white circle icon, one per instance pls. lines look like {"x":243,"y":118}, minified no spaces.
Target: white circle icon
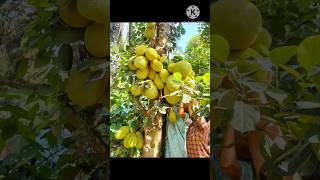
{"x":193,"y":12}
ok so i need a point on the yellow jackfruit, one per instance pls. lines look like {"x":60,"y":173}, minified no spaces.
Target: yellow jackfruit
{"x":70,"y":15}
{"x":150,"y":32}
{"x":264,"y":38}
{"x":158,"y":82}
{"x":132,"y":142}
{"x":141,"y":62}
{"x":84,"y":93}
{"x":131,"y":63}
{"x":152,"y":54}
{"x":172,"y":116}
{"x":192,"y":74}
{"x":172,"y":84}
{"x":151,"y":74}
{"x":156,"y":65}
{"x":142,"y":73}
{"x":183,"y":67}
{"x":164,"y":74}
{"x":95,"y":10}
{"x":171,"y":99}
{"x":150,"y":90}
{"x":140,"y":140}
{"x":140,"y":50}
{"x":170,"y":67}
{"x":96,"y":39}
{"x":239,"y":22}
{"x":126,"y":141}
{"x":122,"y":132}
{"x":136,"y":89}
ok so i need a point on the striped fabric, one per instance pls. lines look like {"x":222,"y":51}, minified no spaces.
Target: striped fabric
{"x":198,"y":141}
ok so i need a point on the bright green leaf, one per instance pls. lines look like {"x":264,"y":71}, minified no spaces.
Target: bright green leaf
{"x":281,"y":55}
{"x":308,"y":52}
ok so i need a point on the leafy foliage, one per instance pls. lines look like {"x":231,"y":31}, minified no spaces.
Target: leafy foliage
{"x":290,"y":99}
{"x":43,"y":135}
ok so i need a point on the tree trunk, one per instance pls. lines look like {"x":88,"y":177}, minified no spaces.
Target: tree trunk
{"x":153,"y":131}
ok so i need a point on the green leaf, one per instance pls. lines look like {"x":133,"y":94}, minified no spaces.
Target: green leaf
{"x":68,"y":172}
{"x":52,"y":140}
{"x":16,"y":111}
{"x":16,"y":143}
{"x":206,"y":78}
{"x":115,"y":127}
{"x":307,"y":105}
{"x":228,"y":98}
{"x":281,"y":55}
{"x":308,"y":52}
{"x":277,"y":94}
{"x":245,"y":117}
{"x":64,"y":160}
{"x":39,"y":4}
{"x":220,"y":48}
{"x":198,"y":78}
{"x":292,"y":71}
{"x":69,"y":35}
{"x":44,"y":171}
{"x":10,"y":128}
{"x":22,"y":68}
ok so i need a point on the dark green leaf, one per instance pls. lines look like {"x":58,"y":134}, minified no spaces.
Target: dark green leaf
{"x":22,"y":68}
{"x":10,"y":128}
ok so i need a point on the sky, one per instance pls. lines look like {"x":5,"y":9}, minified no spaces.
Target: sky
{"x":191,"y":30}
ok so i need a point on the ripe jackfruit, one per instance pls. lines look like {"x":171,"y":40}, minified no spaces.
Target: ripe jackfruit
{"x":131,"y":63}
{"x":157,"y":81}
{"x":264,"y":38}
{"x":172,"y":84}
{"x":122,"y":132}
{"x":95,"y":10}
{"x":170,"y":67}
{"x":171,"y":99}
{"x":183,"y":67}
{"x":152,"y":54}
{"x":172,"y":116}
{"x":156,"y":65}
{"x":239,"y":22}
{"x":151,"y":74}
{"x":97,"y":39}
{"x":142,"y":73}
{"x":84,"y":93}
{"x":150,"y":90}
{"x":140,"y":50}
{"x":164,"y":74}
{"x":140,"y":62}
{"x":136,"y":89}
{"x":70,"y":15}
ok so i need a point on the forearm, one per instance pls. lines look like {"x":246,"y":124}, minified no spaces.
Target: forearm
{"x":229,"y":162}
{"x":254,"y":139}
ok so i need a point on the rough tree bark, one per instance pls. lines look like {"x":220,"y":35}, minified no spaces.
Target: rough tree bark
{"x":153,"y":131}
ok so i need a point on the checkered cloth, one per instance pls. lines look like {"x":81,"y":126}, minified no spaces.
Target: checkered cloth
{"x":198,"y":141}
